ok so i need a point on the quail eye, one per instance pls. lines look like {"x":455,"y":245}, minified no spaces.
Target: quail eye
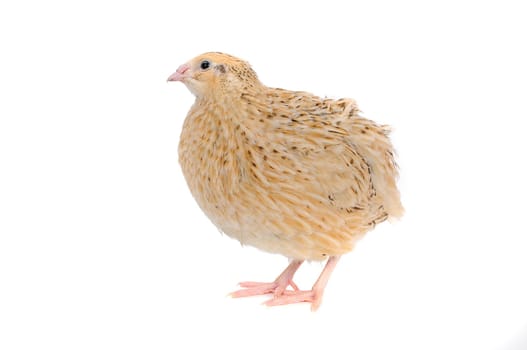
{"x":204,"y":64}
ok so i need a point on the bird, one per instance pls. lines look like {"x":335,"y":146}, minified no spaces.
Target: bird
{"x":287,"y":172}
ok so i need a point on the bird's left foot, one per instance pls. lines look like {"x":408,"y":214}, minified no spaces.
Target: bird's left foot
{"x":313,"y":296}
{"x":284,"y":296}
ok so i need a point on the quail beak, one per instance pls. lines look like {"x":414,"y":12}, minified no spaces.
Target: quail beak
{"x":180,"y":75}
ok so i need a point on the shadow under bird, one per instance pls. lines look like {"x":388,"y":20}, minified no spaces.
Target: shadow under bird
{"x":284,"y":171}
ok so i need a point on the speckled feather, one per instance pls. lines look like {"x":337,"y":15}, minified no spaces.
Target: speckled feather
{"x":284,"y":171}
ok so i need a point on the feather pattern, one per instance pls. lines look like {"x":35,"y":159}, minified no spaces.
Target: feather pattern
{"x":284,"y":171}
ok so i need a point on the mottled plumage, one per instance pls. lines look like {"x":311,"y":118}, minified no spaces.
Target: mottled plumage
{"x":284,"y":171}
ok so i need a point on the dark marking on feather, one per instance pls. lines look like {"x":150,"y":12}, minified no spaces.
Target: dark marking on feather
{"x":220,"y":68}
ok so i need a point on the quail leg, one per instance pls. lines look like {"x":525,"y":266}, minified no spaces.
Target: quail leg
{"x":277,"y":287}
{"x":313,"y":296}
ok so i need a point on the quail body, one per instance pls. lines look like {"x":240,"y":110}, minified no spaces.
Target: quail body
{"x":284,"y":171}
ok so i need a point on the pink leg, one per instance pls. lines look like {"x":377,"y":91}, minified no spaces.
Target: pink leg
{"x":278,"y":287}
{"x":314,"y":296}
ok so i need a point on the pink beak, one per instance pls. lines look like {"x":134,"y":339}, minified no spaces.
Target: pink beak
{"x":179,"y":75}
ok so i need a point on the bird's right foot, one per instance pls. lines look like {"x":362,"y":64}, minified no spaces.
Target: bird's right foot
{"x":262,"y":288}
{"x":277,"y":287}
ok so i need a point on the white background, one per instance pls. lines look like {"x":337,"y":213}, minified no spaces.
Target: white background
{"x":102,"y":246}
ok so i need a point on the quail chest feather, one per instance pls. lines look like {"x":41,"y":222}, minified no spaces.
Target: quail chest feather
{"x":284,"y":171}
